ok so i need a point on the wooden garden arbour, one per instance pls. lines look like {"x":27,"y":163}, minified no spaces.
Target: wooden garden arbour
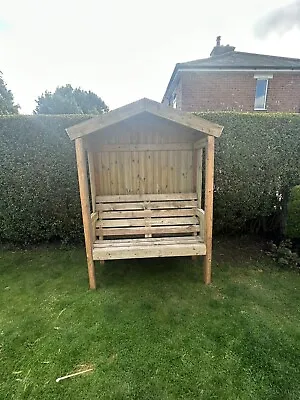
{"x":140,"y":170}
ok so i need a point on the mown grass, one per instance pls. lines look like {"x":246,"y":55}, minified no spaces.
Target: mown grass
{"x":152,"y":330}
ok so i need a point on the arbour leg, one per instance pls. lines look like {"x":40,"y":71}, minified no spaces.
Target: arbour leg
{"x":85,"y":207}
{"x":209,"y":187}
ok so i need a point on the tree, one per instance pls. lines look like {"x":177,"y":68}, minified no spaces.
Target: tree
{"x":66,"y":100}
{"x":7,"y":105}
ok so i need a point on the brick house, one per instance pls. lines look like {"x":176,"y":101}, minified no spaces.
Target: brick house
{"x":234,"y":80}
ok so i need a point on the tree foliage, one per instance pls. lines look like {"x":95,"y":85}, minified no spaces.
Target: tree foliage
{"x":66,"y":100}
{"x":7,"y":105}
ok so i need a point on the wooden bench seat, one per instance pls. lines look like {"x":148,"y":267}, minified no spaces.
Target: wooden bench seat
{"x":148,"y":247}
{"x":152,"y":225}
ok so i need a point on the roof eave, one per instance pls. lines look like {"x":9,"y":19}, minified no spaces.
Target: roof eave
{"x":234,"y":67}
{"x":144,"y":105}
{"x":173,"y":76}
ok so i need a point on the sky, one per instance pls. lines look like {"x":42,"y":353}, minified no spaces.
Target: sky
{"x":125,"y":50}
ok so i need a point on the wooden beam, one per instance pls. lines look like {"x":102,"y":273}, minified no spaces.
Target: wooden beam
{"x":92,"y":179}
{"x":144,"y":105}
{"x":200,"y":144}
{"x":147,"y":147}
{"x":85,"y":207}
{"x":146,"y":197}
{"x":149,"y":250}
{"x":199,"y":177}
{"x":94,"y":219}
{"x":209,"y":187}
{"x":151,"y":241}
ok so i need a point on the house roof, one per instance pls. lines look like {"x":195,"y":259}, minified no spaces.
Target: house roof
{"x":144,"y":106}
{"x":232,"y":60}
{"x":239,"y":59}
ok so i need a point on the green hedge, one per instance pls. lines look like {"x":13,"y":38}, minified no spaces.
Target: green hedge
{"x":38,"y":183}
{"x":293,"y":214}
{"x":257,"y":162}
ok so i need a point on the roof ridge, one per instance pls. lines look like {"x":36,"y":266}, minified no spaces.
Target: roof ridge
{"x":268,"y":55}
{"x":211,"y":57}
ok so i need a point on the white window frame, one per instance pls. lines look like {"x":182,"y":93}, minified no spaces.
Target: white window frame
{"x":262,"y":78}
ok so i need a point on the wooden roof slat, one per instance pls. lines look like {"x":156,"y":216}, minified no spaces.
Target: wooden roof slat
{"x":144,"y":105}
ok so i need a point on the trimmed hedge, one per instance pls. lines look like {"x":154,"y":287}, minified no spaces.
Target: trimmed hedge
{"x":293,"y":214}
{"x":257,"y":162}
{"x":38,"y":183}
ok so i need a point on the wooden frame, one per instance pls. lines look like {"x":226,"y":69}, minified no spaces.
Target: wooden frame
{"x":137,"y":222}
{"x":209,"y":190}
{"x":85,"y":207}
{"x":144,"y":105}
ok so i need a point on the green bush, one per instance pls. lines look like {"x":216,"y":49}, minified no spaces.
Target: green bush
{"x":257,"y":162}
{"x":293,"y":214}
{"x":284,"y":254}
{"x":39,"y":198}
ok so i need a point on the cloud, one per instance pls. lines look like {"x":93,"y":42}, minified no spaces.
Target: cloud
{"x":279,"y":21}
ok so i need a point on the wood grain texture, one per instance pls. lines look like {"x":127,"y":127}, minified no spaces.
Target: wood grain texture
{"x":92,"y":179}
{"x":170,"y":248}
{"x":85,"y":207}
{"x":209,"y":188}
{"x":146,"y":197}
{"x":147,"y":215}
{"x":141,"y":242}
{"x":145,"y":171}
{"x":140,"y":107}
{"x":199,"y":177}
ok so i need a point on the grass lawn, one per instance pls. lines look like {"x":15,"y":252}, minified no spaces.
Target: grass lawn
{"x":152,"y":330}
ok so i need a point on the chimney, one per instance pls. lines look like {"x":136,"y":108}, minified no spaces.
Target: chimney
{"x":220,"y":49}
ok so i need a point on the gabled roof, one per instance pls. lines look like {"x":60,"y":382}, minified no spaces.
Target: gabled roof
{"x":232,"y":60}
{"x":144,"y":106}
{"x":239,"y":59}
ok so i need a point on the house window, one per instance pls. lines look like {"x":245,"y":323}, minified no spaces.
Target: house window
{"x":174,"y":101}
{"x":261,"y":94}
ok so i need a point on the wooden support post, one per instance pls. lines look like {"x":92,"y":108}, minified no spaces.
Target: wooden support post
{"x":197,"y":184}
{"x":199,"y":177}
{"x":92,"y":179}
{"x":85,"y":207}
{"x":209,"y":187}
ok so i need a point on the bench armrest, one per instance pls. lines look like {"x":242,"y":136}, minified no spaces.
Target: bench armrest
{"x":201,"y":216}
{"x":94,"y":218}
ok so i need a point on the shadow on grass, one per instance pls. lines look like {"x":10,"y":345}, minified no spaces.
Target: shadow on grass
{"x":154,"y":270}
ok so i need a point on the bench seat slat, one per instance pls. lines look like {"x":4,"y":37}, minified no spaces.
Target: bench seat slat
{"x":147,"y":241}
{"x":149,"y":230}
{"x":113,"y":223}
{"x":145,"y":197}
{"x":177,"y":212}
{"x":144,"y":205}
{"x":148,"y":251}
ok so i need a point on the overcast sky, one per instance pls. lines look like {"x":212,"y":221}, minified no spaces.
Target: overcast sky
{"x":123,"y":50}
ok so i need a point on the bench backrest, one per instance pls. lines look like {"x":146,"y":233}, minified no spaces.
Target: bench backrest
{"x":147,"y":215}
